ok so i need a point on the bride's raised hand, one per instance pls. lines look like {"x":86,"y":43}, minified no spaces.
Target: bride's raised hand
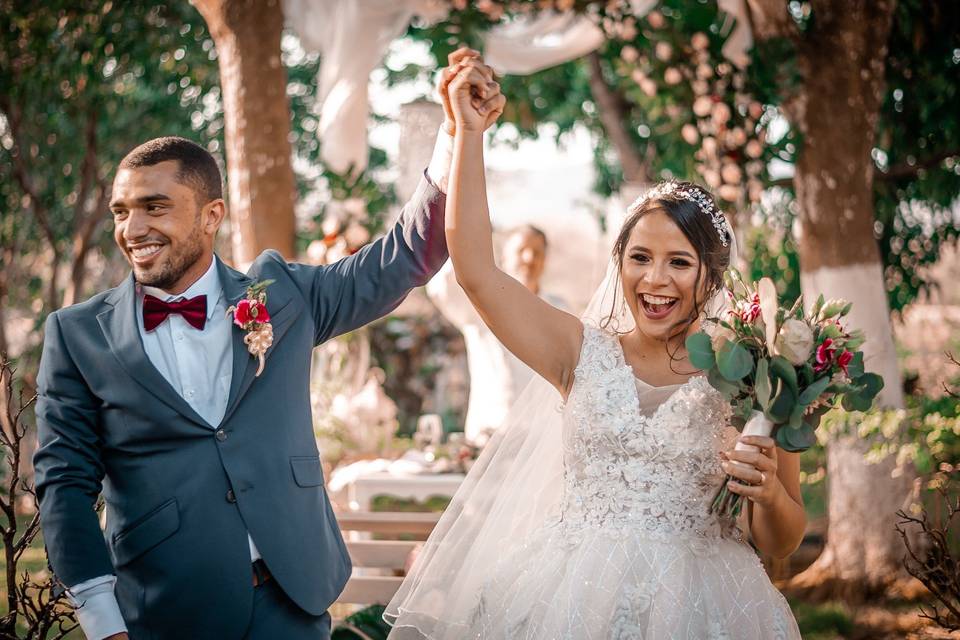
{"x":474,"y":96}
{"x":483,"y":86}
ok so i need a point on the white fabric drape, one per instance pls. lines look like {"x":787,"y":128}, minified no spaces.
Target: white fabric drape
{"x":352,"y":37}
{"x":532,"y":43}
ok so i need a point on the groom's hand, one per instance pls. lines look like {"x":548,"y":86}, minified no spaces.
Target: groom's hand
{"x":484,"y":90}
{"x":118,"y":636}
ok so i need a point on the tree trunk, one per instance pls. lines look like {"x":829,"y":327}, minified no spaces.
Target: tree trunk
{"x":842,"y":64}
{"x":254,"y":84}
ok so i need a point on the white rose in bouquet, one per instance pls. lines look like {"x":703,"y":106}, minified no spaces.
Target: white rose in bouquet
{"x":795,"y":341}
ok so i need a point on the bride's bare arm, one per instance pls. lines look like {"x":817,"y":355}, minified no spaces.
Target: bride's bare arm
{"x":546,"y":339}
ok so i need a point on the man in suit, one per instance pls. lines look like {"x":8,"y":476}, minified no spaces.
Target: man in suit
{"x":218,"y":525}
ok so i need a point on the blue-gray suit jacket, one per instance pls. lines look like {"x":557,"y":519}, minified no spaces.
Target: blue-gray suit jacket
{"x":182,"y":494}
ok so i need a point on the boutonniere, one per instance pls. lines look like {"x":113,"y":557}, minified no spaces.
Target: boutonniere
{"x":251,"y":315}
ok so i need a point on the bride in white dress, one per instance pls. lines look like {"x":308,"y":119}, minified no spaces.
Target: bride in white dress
{"x":586,"y":517}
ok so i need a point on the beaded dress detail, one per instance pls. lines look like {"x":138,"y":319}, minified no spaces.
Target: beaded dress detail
{"x":634,"y":553}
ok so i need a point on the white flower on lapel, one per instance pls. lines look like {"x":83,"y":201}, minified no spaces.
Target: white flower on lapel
{"x":251,"y":315}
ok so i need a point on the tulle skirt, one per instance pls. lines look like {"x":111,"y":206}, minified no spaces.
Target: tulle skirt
{"x":595,"y":584}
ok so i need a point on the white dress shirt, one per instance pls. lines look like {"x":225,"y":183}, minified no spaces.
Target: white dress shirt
{"x":198,"y":364}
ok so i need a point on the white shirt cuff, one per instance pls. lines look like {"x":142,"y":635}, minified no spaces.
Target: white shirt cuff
{"x":96,"y":607}
{"x":439,"y":169}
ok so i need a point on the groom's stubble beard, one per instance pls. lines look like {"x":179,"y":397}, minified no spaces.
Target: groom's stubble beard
{"x":165,"y":275}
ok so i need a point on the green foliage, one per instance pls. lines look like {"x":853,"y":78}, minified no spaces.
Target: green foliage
{"x":81,"y":83}
{"x":926,"y":434}
{"x":918,"y":144}
{"x":822,"y":621}
{"x":368,"y":621}
{"x":770,"y":251}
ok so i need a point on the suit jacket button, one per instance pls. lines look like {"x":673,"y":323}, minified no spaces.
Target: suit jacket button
{"x":231,"y":497}
{"x":221,"y":435}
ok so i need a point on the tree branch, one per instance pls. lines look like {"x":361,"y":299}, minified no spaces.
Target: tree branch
{"x":36,"y":204}
{"x":20,"y":171}
{"x":614,"y":110}
{"x":905,"y":170}
{"x":85,"y":219}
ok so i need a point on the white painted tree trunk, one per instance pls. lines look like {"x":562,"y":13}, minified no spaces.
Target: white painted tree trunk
{"x":863,"y":549}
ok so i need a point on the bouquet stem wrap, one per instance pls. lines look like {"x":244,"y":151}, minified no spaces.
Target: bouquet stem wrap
{"x":727,"y":503}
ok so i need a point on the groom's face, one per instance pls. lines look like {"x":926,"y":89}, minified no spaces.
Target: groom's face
{"x":162,"y":226}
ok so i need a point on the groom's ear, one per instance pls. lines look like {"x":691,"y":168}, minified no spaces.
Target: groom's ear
{"x":212,"y":215}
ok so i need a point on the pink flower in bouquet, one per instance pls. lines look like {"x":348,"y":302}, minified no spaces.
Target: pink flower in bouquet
{"x":750,"y":310}
{"x":250,"y":311}
{"x":844,"y":360}
{"x":825,"y":355}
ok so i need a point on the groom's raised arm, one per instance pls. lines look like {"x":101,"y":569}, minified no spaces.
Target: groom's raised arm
{"x":372,"y":282}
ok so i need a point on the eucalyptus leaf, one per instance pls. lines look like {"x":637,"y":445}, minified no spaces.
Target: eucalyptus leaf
{"x":782,"y":368}
{"x":734,"y":362}
{"x":782,"y":406}
{"x":856,"y":402}
{"x":762,"y":384}
{"x":796,"y":416}
{"x":796,"y":440}
{"x":700,"y":351}
{"x":728,"y":389}
{"x":745,"y":408}
{"x":872,"y":383}
{"x":813,"y":392}
{"x":855,"y":367}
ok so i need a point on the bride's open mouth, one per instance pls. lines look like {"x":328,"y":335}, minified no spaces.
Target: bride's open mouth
{"x":657,"y":307}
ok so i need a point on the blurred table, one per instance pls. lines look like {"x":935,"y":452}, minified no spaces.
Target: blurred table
{"x":365,"y":487}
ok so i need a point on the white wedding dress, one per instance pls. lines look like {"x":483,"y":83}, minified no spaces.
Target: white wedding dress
{"x":635,"y":554}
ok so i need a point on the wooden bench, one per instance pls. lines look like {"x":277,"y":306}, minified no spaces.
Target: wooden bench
{"x":387,"y":556}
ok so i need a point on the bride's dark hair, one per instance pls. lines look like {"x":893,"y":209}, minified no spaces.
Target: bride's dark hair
{"x":697,"y":226}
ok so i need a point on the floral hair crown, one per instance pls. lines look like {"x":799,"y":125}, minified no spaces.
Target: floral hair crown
{"x":693,"y":194}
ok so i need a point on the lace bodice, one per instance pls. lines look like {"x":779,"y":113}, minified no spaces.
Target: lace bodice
{"x":653,"y":472}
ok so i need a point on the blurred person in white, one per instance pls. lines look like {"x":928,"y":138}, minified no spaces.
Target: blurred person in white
{"x":497,"y":377}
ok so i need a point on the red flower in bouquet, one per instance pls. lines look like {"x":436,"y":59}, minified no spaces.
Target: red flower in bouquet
{"x":844,"y":360}
{"x":825,"y":355}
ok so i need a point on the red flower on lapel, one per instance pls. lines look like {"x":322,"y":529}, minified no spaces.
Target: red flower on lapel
{"x":251,"y":315}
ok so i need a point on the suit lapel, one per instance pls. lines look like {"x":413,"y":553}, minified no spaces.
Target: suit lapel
{"x":282,"y":314}
{"x":121,"y":329}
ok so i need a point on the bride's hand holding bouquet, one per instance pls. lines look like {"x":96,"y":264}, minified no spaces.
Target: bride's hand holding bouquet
{"x":781,"y":369}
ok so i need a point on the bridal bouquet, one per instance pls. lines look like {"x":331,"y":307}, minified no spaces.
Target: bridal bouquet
{"x":780,"y":368}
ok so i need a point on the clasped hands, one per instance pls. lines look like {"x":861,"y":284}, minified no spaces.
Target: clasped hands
{"x":469,"y":92}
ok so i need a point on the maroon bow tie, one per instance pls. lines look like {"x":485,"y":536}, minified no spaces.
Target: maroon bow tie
{"x":155,"y":311}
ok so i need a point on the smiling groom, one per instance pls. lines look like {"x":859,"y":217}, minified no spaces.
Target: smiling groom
{"x":217,"y":522}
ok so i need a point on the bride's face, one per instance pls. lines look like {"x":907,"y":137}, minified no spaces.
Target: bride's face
{"x":659,"y":276}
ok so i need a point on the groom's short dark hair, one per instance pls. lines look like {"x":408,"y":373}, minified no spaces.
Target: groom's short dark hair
{"x":198,"y":169}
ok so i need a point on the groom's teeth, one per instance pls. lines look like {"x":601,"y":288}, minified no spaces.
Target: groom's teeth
{"x":143,"y":252}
